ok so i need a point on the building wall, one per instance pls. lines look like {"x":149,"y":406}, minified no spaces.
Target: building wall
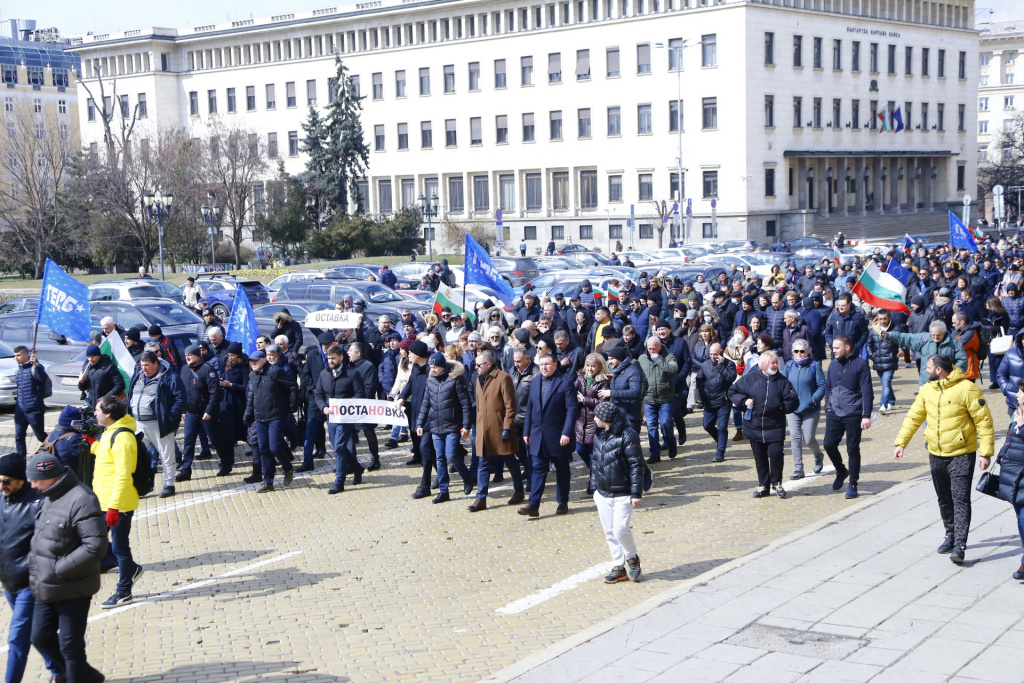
{"x":1000,"y":93}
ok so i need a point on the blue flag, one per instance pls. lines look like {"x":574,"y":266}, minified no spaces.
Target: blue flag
{"x":242,"y":324}
{"x":480,"y":271}
{"x":959,"y":236}
{"x":899,"y":272}
{"x":64,"y":304}
{"x":897,"y":116}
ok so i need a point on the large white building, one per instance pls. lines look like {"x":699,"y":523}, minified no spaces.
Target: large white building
{"x":565,"y":114}
{"x":1000,"y":94}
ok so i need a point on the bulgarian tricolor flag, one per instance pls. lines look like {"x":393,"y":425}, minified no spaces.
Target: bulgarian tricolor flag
{"x":881,"y":290}
{"x":444,"y":298}
{"x":113,"y":347}
{"x":883,"y":121}
{"x":613,"y":293}
{"x":837,"y":256}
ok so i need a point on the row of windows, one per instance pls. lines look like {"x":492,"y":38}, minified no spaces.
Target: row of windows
{"x":124,"y":105}
{"x":1008,"y":103}
{"x":1006,"y":80}
{"x":35,"y":75}
{"x":37,"y":105}
{"x":1007,"y":126}
{"x":817,"y":54}
{"x":1009,"y":57}
{"x":817,"y":117}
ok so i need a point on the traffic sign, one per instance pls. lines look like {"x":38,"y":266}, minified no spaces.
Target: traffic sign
{"x":497,"y":216}
{"x":714,"y":203}
{"x":212,"y":231}
{"x":997,"y":190}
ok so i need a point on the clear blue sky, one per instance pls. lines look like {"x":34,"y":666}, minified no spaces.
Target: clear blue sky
{"x":73,"y":17}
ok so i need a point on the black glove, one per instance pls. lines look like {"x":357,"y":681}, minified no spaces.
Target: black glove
{"x":505,"y":435}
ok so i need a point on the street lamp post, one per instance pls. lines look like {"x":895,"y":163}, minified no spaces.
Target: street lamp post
{"x":429,"y":209}
{"x":678,"y":50}
{"x":158,"y":208}
{"x":211,"y":217}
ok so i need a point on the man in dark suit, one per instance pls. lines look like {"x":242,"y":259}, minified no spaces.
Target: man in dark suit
{"x":549,"y":433}
{"x":314,"y":444}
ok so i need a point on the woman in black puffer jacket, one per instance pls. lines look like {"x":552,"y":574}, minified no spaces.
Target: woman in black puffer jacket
{"x":884,"y":354}
{"x":1011,"y":469}
{"x":617,"y":476}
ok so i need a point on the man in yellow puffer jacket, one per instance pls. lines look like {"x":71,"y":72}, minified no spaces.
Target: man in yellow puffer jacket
{"x":958,"y":428}
{"x":116,"y":457}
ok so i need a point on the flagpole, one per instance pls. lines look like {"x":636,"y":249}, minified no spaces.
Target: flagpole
{"x":35,"y":333}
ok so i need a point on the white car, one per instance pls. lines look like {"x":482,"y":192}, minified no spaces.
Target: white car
{"x":8,"y":376}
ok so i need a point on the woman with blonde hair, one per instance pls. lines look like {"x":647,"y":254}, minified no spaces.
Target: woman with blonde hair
{"x":591,"y":378}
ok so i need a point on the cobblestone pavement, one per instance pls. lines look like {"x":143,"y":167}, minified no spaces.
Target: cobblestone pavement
{"x":371,"y":585}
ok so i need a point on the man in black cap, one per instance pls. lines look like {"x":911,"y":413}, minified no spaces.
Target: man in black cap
{"x":133,"y":342}
{"x":21,"y":504}
{"x":70,"y":531}
{"x":31,"y":382}
{"x":167,"y":351}
{"x":412,"y":395}
{"x":314,"y":444}
{"x":209,"y":320}
{"x":202,"y":406}
{"x":267,"y":403}
{"x":101,"y":377}
{"x":627,"y":387}
{"x":680,"y":350}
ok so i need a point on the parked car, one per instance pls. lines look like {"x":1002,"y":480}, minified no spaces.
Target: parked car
{"x":64,"y":375}
{"x":635,"y":256}
{"x":358,"y":271}
{"x":805,"y":242}
{"x":127,"y":290}
{"x":217,"y":290}
{"x":296,"y":309}
{"x":569,"y":248}
{"x":549,"y":263}
{"x":374,"y":296}
{"x":710,"y":271}
{"x":544,"y":282}
{"x":409,"y":273}
{"x":19,"y":303}
{"x":739,"y":260}
{"x":740,"y":245}
{"x":277,"y":282}
{"x":585,"y":259}
{"x":17,"y":329}
{"x":8,"y":376}
{"x":169,"y":315}
{"x":416,"y":294}
{"x":682,"y":254}
{"x":516,"y":270}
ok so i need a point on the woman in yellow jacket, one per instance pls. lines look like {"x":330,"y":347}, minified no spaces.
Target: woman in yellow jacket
{"x":958,"y":428}
{"x":116,"y":457}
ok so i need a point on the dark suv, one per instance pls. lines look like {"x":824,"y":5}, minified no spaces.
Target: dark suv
{"x":518,"y":271}
{"x":218,"y":289}
{"x":377,"y":298}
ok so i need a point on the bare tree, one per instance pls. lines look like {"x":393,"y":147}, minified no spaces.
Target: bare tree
{"x":36,"y":156}
{"x":663,"y":212}
{"x":1006,"y":162}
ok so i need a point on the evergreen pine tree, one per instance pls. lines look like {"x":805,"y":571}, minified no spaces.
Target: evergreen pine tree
{"x":338,"y":154}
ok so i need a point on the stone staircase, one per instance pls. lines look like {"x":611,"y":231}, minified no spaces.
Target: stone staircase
{"x":889,"y":225}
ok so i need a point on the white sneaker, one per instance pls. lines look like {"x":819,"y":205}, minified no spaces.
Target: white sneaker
{"x":884,"y":410}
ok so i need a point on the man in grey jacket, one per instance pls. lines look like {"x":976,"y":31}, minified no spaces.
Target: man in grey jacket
{"x":64,"y":565}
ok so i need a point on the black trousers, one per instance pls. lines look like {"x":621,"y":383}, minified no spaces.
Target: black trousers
{"x":679,"y":418}
{"x":423,"y":450}
{"x":58,"y":632}
{"x":835,"y":429}
{"x":952,"y":480}
{"x":768,"y":459}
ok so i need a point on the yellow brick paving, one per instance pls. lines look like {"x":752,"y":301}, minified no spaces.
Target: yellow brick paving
{"x":386,"y":588}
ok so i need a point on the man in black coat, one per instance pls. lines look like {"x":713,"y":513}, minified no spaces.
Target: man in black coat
{"x":445,"y":417}
{"x":849,"y":322}
{"x":202,"y":407}
{"x":714,"y":377}
{"x":627,"y":386}
{"x":412,"y":395}
{"x":101,"y":377}
{"x":339,"y":380}
{"x":267,"y":404}
{"x":549,"y":433}
{"x":678,"y":347}
{"x":848,"y":401}
{"x":367,"y":371}
{"x":314,"y":445}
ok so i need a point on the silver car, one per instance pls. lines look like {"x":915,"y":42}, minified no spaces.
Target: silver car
{"x":8,"y":376}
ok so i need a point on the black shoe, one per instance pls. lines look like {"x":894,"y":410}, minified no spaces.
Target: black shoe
{"x":304,"y":468}
{"x":390,"y":443}
{"x":357,"y":477}
{"x":1019,"y":574}
{"x":421,"y":493}
{"x":441,"y":498}
{"x":205,"y":455}
{"x":957,"y":556}
{"x":468,"y":486}
{"x":799,"y":474}
{"x":498,"y":478}
{"x":289,"y":475}
{"x":653,"y":459}
{"x":718,"y":458}
{"x":946,"y":547}
{"x":851,"y":491}
{"x":841,"y":476}
{"x":253,"y":479}
{"x":117,"y":600}
{"x":993,"y":386}
{"x":761,"y":492}
{"x":184,"y":475}
{"x":167,"y":492}
{"x":818,"y":465}
{"x":779,"y":491}
{"x":403,"y":438}
{"x":265,"y":488}
{"x":223,"y":471}
{"x":413,"y":461}
{"x":337,"y":488}
{"x":672,"y":452}
{"x":374,"y":465}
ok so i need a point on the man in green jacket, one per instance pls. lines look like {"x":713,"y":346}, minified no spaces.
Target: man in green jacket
{"x":936,"y":341}
{"x":659,"y":368}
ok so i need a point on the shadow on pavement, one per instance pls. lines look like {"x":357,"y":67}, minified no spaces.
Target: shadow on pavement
{"x":211,"y":558}
{"x":683,"y":571}
{"x":217,"y":672}
{"x":252,"y":585}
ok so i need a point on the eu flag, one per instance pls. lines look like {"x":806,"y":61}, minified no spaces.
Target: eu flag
{"x":959,"y":236}
{"x":899,"y":272}
{"x":480,"y":271}
{"x":64,"y":304}
{"x":242,"y":324}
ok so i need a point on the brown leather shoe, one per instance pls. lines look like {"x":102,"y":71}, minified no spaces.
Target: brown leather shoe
{"x":738,"y":436}
{"x":529,"y":511}
{"x":517,"y":497}
{"x":478,"y":505}
{"x":562,"y":509}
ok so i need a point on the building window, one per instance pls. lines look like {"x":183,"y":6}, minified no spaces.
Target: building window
{"x":982,"y":126}
{"x":816,"y":112}
{"x":528,"y":128}
{"x":710,"y":116}
{"x":481,"y":194}
{"x":816,"y":52}
{"x":908,"y":61}
{"x":526,"y":70}
{"x":983,"y":154}
{"x":588,"y":189}
{"x":769,"y":111}
{"x":378,"y":138}
{"x":456,"y":198}
{"x":709,"y":50}
{"x":582,"y":65}
{"x":557,"y":232}
{"x":769,"y":182}
{"x":940,"y":116}
{"x":271,"y":96}
{"x":940,"y":67}
{"x":449,"y":78}
{"x":873,"y":57}
{"x":837,"y":110}
{"x":476,"y":134}
{"x":614,"y":121}
{"x":583,"y":119}
{"x":534,"y":193}
{"x":961,"y":174}
{"x":710,"y":184}
{"x":1007,"y":102}
{"x":499,"y":73}
{"x":924,"y":61}
{"x":474,"y":76}
{"x":272,"y":145}
{"x":924,"y":116}
{"x":982,"y":104}
{"x":250,"y":98}
{"x":193,"y":103}
{"x":891,"y":61}
{"x":289,"y":92}
{"x":675,"y":116}
{"x":643,"y":119}
{"x":293,"y":143}
{"x":615,"y":231}
{"x":962,"y":73}
{"x":403,"y":136}
{"x":769,"y":228}
{"x":91,"y":108}
{"x":798,"y":51}
{"x":855,"y":114}
{"x":798,"y":117}
{"x":384,"y":196}
{"x":426,"y":135}
{"x":647,"y":231}
{"x":612,"y":62}
{"x":556,"y":125}
{"x":425,"y":80}
{"x":709,"y":231}
{"x":400,"y":83}
{"x":560,"y":190}
{"x":449,"y":133}
{"x":855,"y":56}
{"x":837,"y":55}
{"x":143,"y":108}
{"x":615,"y":188}
{"x":676,"y":192}
{"x":645,"y":182}
{"x":408,"y":190}
{"x":211,"y":101}
{"x":961,"y":118}
{"x":643,"y":58}
{"x":530,"y":232}
{"x":363,"y":190}
{"x":675,"y":54}
{"x":555,"y":67}
{"x":769,"y":48}
{"x":501,"y":129}
{"x":586,"y":232}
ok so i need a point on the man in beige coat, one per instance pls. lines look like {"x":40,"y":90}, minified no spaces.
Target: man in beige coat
{"x":496,"y":439}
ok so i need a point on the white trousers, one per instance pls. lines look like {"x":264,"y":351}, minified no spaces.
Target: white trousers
{"x":615,"y":513}
{"x":164,"y":447}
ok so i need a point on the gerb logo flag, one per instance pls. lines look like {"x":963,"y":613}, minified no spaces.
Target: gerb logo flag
{"x":480,"y":270}
{"x":959,"y":236}
{"x":242,"y":324}
{"x":64,"y":304}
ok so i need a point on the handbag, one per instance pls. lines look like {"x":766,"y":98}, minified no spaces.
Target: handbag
{"x":1001,"y":344}
{"x":988,"y":482}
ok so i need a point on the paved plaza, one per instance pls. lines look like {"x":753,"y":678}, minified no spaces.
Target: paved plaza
{"x":371,"y":585}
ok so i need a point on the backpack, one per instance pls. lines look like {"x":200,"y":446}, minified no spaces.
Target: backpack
{"x":986,"y":333}
{"x":47,"y":387}
{"x":143,"y":476}
{"x":50,"y":446}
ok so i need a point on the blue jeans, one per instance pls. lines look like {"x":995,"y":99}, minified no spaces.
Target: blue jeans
{"x":343,"y":438}
{"x":270,"y":436}
{"x":19,"y":636}
{"x":22,"y":421}
{"x":486,"y":465}
{"x":541,"y":464}
{"x":1020,"y":525}
{"x":659,"y":415}
{"x":888,"y":397}
{"x":445,"y":446}
{"x":314,"y":433}
{"x":195,"y":426}
{"x":716,"y":424}
{"x":121,"y":551}
{"x":397,"y":431}
{"x":584,"y":451}
{"x":993,"y":367}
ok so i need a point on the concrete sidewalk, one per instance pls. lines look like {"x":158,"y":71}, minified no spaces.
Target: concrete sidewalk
{"x":860,"y":596}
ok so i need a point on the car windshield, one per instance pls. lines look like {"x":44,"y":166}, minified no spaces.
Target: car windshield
{"x":166,"y":289}
{"x":169,"y":313}
{"x":252,"y":286}
{"x":144,"y":293}
{"x":664,"y":253}
{"x":211,"y":286}
{"x":5,"y":351}
{"x":503,"y":264}
{"x":379,"y":294}
{"x":411,"y":269}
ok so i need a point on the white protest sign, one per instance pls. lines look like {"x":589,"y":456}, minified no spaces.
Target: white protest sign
{"x":366,"y":411}
{"x":332,"y":320}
